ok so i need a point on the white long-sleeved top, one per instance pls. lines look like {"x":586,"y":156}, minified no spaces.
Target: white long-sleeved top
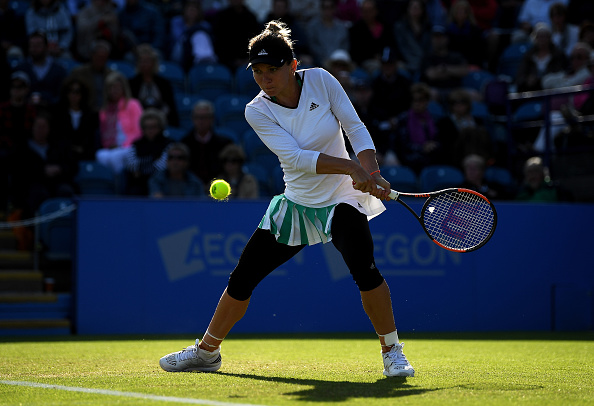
{"x":298,"y":136}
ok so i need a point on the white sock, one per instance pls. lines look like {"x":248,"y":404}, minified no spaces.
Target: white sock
{"x":390,"y":339}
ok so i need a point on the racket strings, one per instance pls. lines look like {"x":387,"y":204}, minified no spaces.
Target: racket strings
{"x":459,"y":220}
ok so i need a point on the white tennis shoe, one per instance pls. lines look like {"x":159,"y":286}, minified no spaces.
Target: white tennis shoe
{"x":395,"y":362}
{"x":192,"y":358}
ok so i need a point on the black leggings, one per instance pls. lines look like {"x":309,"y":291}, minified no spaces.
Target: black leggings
{"x":263,"y":254}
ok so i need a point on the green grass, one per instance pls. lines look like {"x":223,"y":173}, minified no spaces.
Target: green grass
{"x":462,"y":369}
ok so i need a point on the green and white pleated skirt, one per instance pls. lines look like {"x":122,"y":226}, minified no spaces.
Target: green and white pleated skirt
{"x":294,"y":224}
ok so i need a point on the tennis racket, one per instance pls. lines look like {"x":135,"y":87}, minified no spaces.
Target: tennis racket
{"x":459,"y":220}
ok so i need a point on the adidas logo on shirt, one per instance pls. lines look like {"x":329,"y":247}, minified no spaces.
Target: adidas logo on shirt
{"x":263,"y":52}
{"x":313,"y":106}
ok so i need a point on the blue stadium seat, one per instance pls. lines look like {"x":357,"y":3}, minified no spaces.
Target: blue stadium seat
{"x":261,"y":174}
{"x":124,"y":67}
{"x":230,"y":112}
{"x":528,"y":111}
{"x":20,"y":7}
{"x":401,"y":178}
{"x":480,"y":110}
{"x":277,"y":183}
{"x":56,"y":235}
{"x":499,"y":175}
{"x":438,"y":177}
{"x":477,"y":80}
{"x":510,"y":59}
{"x":210,"y":80}
{"x":256,"y":151}
{"x":67,"y":63}
{"x":436,"y":110}
{"x":245,"y":83}
{"x":94,"y":178}
{"x":229,"y":133}
{"x":174,"y":73}
{"x":176,"y":133}
{"x":185,"y":103}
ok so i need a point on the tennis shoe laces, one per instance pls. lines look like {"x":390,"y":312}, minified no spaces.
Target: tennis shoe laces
{"x":395,"y":362}
{"x":192,"y":358}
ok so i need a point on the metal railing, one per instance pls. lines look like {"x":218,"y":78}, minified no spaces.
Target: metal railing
{"x":546,"y":96}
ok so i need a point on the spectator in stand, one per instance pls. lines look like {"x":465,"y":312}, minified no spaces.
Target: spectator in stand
{"x":150,"y":88}
{"x":466,"y":133}
{"x":76,"y":122}
{"x":43,"y":168}
{"x":578,"y":134}
{"x":233,"y":27}
{"x":532,"y":13}
{"x":52,"y":18}
{"x":537,"y":185}
{"x":260,"y":8}
{"x":417,"y":140}
{"x":576,"y":74}
{"x":281,"y":10}
{"x":368,"y":37}
{"x":12,"y":31}
{"x":326,"y":33}
{"x":191,"y":37}
{"x":484,"y":11}
{"x":93,"y":73}
{"x":142,"y":23}
{"x":340,"y":65}
{"x":584,"y":102}
{"x":148,"y":154}
{"x":587,"y":33}
{"x":436,"y":12}
{"x":565,"y":35}
{"x":474,"y":179}
{"x":465,"y":36}
{"x":16,"y":119}
{"x":541,"y":59}
{"x":413,"y":36}
{"x":204,"y":144}
{"x":304,"y":10}
{"x":119,"y":122}
{"x":361,"y":100}
{"x":243,"y":185}
{"x":98,"y":20}
{"x":443,"y":69}
{"x":349,"y":10}
{"x":17,"y":114}
{"x":5,"y":70}
{"x":176,"y":180}
{"x":45,"y":74}
{"x":390,"y":97}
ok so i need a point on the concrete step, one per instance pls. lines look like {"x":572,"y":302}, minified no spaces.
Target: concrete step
{"x":35,"y":327}
{"x":28,"y":297}
{"x":35,"y":314}
{"x":13,"y":259}
{"x":7,"y":240}
{"x":20,"y":280}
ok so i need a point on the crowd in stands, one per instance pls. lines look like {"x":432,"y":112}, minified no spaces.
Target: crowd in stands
{"x":110,"y":82}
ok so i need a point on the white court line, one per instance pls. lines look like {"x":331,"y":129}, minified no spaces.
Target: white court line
{"x":124,"y":394}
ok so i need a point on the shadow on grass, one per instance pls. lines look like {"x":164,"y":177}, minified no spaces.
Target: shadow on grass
{"x":331,"y":391}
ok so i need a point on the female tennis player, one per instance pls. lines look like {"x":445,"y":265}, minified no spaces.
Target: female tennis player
{"x":328,"y":196}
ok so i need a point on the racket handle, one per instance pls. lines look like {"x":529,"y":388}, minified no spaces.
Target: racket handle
{"x":393,"y":194}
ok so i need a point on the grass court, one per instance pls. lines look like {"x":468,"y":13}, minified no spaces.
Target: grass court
{"x":540,"y":368}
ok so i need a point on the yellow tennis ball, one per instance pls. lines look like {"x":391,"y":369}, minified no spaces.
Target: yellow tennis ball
{"x":220,"y":189}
